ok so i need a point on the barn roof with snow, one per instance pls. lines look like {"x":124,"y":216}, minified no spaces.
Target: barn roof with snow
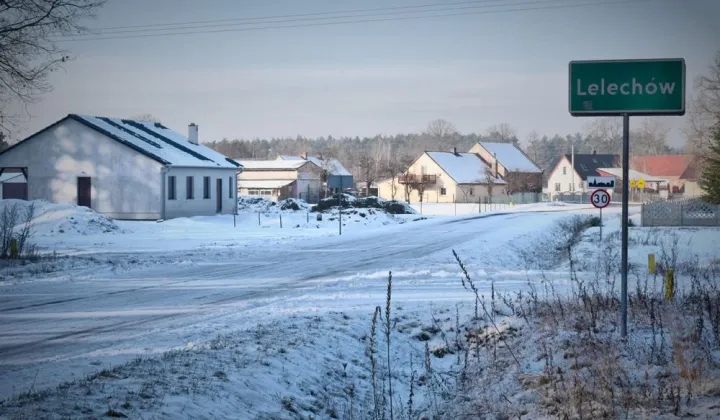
{"x":153,"y":140}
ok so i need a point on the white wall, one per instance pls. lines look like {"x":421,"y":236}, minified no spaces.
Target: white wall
{"x":181,"y":206}
{"x":309,"y":180}
{"x":125,"y":183}
{"x":565,"y":179}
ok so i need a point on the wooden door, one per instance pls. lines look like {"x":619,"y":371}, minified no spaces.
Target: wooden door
{"x":84,"y":187}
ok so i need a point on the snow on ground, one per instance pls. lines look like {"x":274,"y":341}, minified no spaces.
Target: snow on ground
{"x":283,"y":331}
{"x":51,"y":220}
{"x":466,"y":209}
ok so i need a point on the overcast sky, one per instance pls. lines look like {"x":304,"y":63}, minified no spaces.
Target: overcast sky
{"x":366,"y":78}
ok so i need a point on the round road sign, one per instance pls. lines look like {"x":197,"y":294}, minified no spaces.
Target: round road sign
{"x":600,"y":199}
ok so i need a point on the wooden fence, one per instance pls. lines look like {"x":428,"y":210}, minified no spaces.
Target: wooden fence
{"x":681,"y":212}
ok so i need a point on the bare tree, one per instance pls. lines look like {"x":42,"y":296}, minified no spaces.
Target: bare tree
{"x":440,"y":130}
{"x":503,"y":133}
{"x":393,"y":168}
{"x":367,"y":167}
{"x":606,"y":134}
{"x":704,"y":109}
{"x":651,"y":137}
{"x":28,"y":47}
{"x":3,"y":143}
{"x":490,"y":181}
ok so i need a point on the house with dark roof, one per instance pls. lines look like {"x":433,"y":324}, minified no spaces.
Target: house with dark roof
{"x":445,"y":177}
{"x":569,"y":175}
{"x":520,"y":172}
{"x":124,"y":169}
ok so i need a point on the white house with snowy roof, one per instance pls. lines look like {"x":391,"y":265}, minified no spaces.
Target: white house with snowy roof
{"x":445,"y":177}
{"x":520,"y":172}
{"x":125,"y":169}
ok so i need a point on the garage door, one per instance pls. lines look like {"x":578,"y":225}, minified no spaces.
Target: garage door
{"x":16,"y":190}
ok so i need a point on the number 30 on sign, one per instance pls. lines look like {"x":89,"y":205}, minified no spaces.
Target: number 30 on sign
{"x":600,"y":199}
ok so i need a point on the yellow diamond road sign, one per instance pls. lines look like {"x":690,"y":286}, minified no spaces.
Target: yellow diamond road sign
{"x":641,"y":183}
{"x":633,"y":184}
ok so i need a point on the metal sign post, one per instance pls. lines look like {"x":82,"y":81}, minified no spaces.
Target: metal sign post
{"x":600,"y":199}
{"x":624,"y":235}
{"x":620,"y":88}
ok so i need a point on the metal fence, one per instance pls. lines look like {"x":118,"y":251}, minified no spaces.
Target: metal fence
{"x":616,"y":197}
{"x":682,"y":212}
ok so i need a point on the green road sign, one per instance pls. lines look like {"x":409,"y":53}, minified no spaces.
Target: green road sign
{"x":634,"y":87}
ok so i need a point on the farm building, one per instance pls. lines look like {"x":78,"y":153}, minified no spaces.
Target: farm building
{"x":124,"y":169}
{"x":335,"y":177}
{"x":445,"y":177}
{"x":279,"y":179}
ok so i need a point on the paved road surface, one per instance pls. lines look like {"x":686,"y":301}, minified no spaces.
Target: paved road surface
{"x":49,"y":330}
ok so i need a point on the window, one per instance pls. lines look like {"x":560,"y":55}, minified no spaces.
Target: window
{"x":570,"y":187}
{"x":171,"y":188}
{"x":564,"y":170}
{"x":260,"y":192}
{"x":230,"y":187}
{"x":423,"y":170}
{"x":189,"y":192}
{"x":472,"y":191}
{"x":206,"y":187}
{"x":443,"y":191}
{"x":557,"y":186}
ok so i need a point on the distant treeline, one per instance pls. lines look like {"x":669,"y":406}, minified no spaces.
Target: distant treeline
{"x":356,"y":154}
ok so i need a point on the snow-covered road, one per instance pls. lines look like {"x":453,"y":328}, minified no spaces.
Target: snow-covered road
{"x":52,"y":330}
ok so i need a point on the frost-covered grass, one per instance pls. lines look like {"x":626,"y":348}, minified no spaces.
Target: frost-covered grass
{"x":549,"y":348}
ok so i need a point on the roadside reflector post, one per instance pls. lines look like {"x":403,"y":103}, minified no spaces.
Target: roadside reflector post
{"x":652,"y":269}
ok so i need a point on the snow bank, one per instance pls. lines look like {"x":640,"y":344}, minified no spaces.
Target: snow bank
{"x":62,"y":219}
{"x":263,"y":205}
{"x":376,"y":203}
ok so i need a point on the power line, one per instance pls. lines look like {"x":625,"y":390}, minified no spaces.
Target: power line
{"x":400,"y":18}
{"x":376,"y":9}
{"x":306,"y":17}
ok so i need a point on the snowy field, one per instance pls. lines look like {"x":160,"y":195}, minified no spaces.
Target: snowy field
{"x":197,"y":318}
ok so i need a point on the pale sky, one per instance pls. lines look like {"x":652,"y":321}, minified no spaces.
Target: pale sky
{"x":368,"y":78}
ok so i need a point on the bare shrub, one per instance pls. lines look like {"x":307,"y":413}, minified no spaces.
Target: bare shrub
{"x":16,"y":226}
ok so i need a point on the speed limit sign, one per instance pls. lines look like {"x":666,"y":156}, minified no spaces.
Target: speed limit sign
{"x":600,"y":199}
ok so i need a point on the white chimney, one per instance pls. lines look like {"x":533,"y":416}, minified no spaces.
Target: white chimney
{"x":193,"y":133}
{"x":454,"y":150}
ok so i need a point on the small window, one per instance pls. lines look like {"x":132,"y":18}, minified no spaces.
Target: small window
{"x":206,"y":187}
{"x":557,"y":186}
{"x":230,"y":187}
{"x":443,"y":191}
{"x":189,"y":192}
{"x":570,"y":187}
{"x":423,"y":169}
{"x":564,"y":170}
{"x":171,"y":188}
{"x":472,"y":191}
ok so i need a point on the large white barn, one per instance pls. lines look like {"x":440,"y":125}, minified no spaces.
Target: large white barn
{"x":125,"y":169}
